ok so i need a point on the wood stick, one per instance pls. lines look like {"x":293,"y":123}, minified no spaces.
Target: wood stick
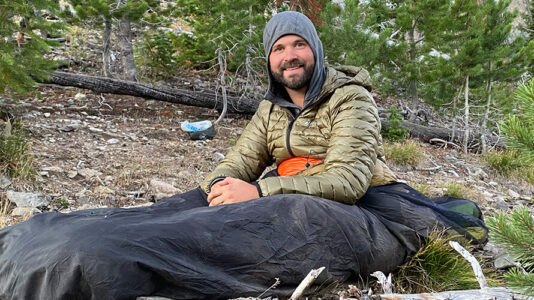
{"x":474,"y":263}
{"x":308,"y":280}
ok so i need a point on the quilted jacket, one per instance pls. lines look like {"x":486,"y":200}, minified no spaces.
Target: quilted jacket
{"x":342,"y":127}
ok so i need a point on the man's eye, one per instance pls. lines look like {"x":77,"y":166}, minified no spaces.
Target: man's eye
{"x":301,"y":44}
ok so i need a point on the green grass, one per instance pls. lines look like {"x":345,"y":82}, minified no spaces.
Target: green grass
{"x":4,"y":207}
{"x":16,"y":159}
{"x":407,"y":153}
{"x":435,"y":267}
{"x":510,"y":164}
{"x":457,"y":190}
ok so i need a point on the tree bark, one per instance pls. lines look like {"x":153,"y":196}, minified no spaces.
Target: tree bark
{"x":486,"y":113}
{"x":127,"y":50}
{"x":106,"y":53}
{"x":179,"y":96}
{"x":413,"y":84}
{"x":497,"y":293}
{"x":466,"y":114}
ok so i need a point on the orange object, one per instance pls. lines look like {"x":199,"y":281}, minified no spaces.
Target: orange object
{"x":292,"y":166}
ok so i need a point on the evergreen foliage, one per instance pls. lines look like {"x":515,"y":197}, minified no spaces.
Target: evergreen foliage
{"x":435,"y":267}
{"x":234,"y":26}
{"x":515,"y":233}
{"x":519,"y":128}
{"x":395,"y":132}
{"x":23,"y":26}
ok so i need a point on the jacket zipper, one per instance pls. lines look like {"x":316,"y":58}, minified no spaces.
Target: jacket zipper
{"x":288,"y":134}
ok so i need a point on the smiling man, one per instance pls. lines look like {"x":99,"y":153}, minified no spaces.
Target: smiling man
{"x":318,"y":122}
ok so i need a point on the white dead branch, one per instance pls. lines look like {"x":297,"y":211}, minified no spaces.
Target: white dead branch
{"x":384,"y":281}
{"x":308,"y":280}
{"x":474,"y":263}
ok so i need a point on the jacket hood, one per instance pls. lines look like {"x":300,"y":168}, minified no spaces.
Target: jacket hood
{"x":344,"y":75}
{"x":291,"y":22}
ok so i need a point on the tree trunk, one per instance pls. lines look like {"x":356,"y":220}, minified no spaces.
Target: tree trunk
{"x":413,"y":84}
{"x":466,"y":114}
{"x":106,"y":53}
{"x":123,"y":87}
{"x":127,"y":50}
{"x":486,"y":113}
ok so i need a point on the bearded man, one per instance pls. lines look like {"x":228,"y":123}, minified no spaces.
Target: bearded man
{"x":320,"y":122}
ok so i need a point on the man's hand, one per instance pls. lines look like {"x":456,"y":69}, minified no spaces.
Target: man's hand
{"x":231,"y":190}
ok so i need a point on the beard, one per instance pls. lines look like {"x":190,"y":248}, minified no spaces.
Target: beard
{"x":294,"y":82}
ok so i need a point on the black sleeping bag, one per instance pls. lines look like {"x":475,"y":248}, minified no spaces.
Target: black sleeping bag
{"x":182,"y":249}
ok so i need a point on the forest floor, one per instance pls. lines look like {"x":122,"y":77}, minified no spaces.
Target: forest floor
{"x":102,"y":150}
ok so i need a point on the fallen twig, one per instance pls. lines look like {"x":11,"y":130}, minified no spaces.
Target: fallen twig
{"x":474,"y":263}
{"x":308,"y":280}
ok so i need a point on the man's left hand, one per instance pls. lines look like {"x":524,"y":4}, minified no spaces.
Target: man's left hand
{"x":231,"y":190}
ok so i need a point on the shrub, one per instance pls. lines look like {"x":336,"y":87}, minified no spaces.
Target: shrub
{"x":435,"y":267}
{"x":510,"y":164}
{"x":404,"y":154}
{"x":515,"y":233}
{"x":15,"y":157}
{"x":457,"y":190}
{"x":395,"y":132}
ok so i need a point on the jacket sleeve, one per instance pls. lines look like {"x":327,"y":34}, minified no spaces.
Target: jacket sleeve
{"x":250,"y":155}
{"x":351,"y":155}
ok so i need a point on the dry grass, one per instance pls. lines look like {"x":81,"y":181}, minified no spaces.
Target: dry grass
{"x":407,"y":153}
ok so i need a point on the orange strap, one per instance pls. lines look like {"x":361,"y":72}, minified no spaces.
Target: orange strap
{"x":292,"y":166}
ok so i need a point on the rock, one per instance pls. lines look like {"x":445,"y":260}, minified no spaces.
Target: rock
{"x":25,"y":211}
{"x":80,"y":96}
{"x":89,"y":173}
{"x":493,"y":183}
{"x":28,"y":199}
{"x":46,"y":115}
{"x":70,"y":127}
{"x":513,"y":194}
{"x":504,"y":261}
{"x":95,"y":130}
{"x":502,"y":205}
{"x":162,"y":187}
{"x":217,"y":156}
{"x":71,"y":174}
{"x":113,"y":141}
{"x":4,"y":182}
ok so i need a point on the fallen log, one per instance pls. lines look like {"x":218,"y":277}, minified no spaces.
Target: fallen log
{"x":433,"y":134}
{"x":235,"y":104}
{"x":497,"y":293}
{"x":179,"y":96}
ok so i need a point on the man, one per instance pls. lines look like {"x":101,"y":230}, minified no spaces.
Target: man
{"x":311,"y":113}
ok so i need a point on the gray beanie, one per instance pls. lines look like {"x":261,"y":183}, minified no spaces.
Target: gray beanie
{"x":292,"y":22}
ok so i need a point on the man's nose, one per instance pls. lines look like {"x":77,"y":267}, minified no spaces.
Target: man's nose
{"x":291,"y":54}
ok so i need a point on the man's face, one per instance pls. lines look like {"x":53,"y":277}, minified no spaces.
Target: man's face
{"x":292,"y":62}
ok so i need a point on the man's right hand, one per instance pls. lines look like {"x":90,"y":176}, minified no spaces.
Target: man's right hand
{"x":231,"y":190}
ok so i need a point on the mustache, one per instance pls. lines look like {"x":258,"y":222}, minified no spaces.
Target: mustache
{"x":292,"y":64}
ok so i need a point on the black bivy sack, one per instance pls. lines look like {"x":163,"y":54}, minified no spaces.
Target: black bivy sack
{"x":182,"y":249}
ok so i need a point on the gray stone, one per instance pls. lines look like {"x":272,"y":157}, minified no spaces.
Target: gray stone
{"x":513,"y":194}
{"x":80,"y":96}
{"x":502,"y":205}
{"x":163,"y":187}
{"x":113,"y":141}
{"x":70,"y":127}
{"x":504,"y":261}
{"x":217,"y":156}
{"x":25,"y":211}
{"x":4,"y":182}
{"x":47,"y":115}
{"x":71,"y":174}
{"x":28,"y":199}
{"x":493,"y":183}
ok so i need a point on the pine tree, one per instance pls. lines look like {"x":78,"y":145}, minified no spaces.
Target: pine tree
{"x":104,"y":13}
{"x":515,"y":233}
{"x":519,"y":128}
{"x":21,"y":46}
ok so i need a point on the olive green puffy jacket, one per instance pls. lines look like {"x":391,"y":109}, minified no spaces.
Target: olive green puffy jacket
{"x":342,"y":127}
